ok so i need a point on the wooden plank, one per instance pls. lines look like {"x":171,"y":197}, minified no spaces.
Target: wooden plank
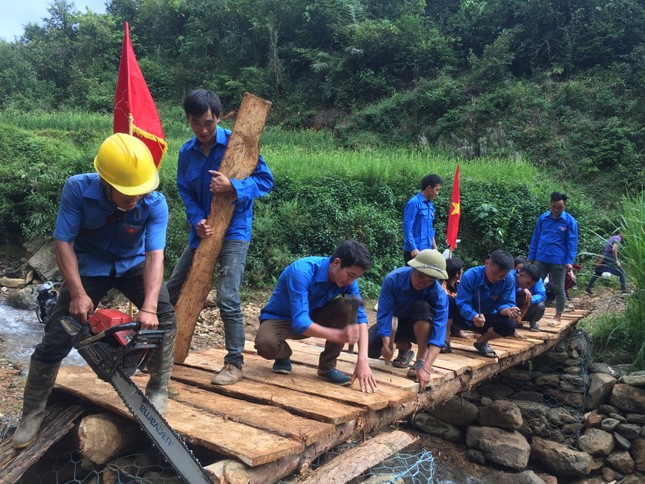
{"x":354,"y":462}
{"x":305,"y":380}
{"x":239,"y":162}
{"x":308,"y":406}
{"x":265,"y":417}
{"x":471,"y":349}
{"x":469,"y":360}
{"x":248,"y":444}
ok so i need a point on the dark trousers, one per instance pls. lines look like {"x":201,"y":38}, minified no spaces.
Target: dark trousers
{"x":502,"y":325}
{"x":56,"y":343}
{"x":270,"y":340}
{"x":608,"y":266}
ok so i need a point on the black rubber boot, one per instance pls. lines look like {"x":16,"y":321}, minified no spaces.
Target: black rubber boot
{"x":40,"y":382}
{"x":160,"y":368}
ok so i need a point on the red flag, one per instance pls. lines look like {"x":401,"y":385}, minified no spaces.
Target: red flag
{"x":453,"y":216}
{"x":134,"y":102}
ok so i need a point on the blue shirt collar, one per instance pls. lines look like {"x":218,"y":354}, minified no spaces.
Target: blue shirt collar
{"x":220,"y":139}
{"x":322,"y":276}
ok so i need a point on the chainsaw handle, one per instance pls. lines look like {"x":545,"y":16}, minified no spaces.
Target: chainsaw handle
{"x":132,"y":325}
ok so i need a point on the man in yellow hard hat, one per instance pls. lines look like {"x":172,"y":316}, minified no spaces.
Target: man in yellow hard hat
{"x":110,"y":233}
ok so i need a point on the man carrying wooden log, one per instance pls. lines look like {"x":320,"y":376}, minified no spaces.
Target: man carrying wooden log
{"x":486,"y":301}
{"x":110,"y":233}
{"x":413,"y":295}
{"x":308,"y":301}
{"x":198,"y":179}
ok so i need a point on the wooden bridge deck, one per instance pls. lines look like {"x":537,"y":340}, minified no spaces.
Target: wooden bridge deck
{"x":277,"y":424}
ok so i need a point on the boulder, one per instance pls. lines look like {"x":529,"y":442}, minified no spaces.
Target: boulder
{"x":629,"y":431}
{"x":637,"y":451}
{"x":596,"y":442}
{"x":621,"y":442}
{"x":44,"y":263}
{"x":457,"y":411}
{"x":502,"y":414}
{"x":25,"y":298}
{"x":628,"y":398}
{"x":620,"y":461}
{"x":431,"y":425}
{"x":636,"y":379}
{"x":504,"y":447}
{"x":560,"y":459}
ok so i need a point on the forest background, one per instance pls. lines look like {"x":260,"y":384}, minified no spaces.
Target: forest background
{"x":530,"y":96}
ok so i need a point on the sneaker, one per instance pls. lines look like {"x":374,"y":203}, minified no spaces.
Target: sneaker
{"x":228,"y":375}
{"x":335,"y":376}
{"x":282,"y":366}
{"x":535,"y":328}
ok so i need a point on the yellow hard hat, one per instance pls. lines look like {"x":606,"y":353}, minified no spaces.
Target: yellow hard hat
{"x":126,"y":163}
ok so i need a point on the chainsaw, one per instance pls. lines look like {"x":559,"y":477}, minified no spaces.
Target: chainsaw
{"x":114,"y":347}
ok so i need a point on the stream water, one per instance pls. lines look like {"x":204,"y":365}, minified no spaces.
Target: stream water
{"x":21,"y":332}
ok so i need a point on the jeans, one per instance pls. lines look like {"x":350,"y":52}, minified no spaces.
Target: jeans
{"x":557,"y":273}
{"x":56,"y":343}
{"x":609,"y":265}
{"x":232,"y":262}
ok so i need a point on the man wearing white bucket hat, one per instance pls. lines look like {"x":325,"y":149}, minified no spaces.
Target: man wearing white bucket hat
{"x":414,"y":296}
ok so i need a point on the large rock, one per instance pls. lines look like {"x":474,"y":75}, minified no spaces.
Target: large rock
{"x":629,"y":431}
{"x":457,"y":411}
{"x":628,"y":398}
{"x":621,"y":461}
{"x":600,"y":388}
{"x":636,"y":379}
{"x":596,"y":442}
{"x":44,"y":263}
{"x":23,"y":299}
{"x":637,"y":452}
{"x":560,"y":459}
{"x":502,"y":414}
{"x":506,"y":448}
{"x":430,"y":424}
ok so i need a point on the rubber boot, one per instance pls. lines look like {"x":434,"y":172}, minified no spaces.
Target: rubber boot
{"x":160,"y":368}
{"x":40,"y":382}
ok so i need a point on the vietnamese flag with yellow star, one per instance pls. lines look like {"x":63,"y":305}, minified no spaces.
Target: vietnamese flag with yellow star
{"x":135,"y":112}
{"x":455,"y":212}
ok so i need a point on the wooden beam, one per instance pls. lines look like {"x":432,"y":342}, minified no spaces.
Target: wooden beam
{"x":240,"y":161}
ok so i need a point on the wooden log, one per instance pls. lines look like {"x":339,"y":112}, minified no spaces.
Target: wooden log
{"x":354,"y":462}
{"x":105,"y":436}
{"x":59,"y":419}
{"x":240,"y":161}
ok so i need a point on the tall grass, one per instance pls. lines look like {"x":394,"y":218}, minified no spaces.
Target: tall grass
{"x":634,"y":251}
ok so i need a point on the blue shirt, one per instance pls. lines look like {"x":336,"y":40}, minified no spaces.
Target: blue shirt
{"x":303,"y":287}
{"x":418,"y":216}
{"x":193,"y":183}
{"x":397,"y":298}
{"x":554,"y":241}
{"x":103,"y":236}
{"x":537,"y":290}
{"x":477,"y":296}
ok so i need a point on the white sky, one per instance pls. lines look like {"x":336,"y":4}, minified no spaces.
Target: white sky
{"x":15,"y":14}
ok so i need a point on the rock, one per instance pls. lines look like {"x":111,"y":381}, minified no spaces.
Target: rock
{"x":628,"y":398}
{"x":607,"y":409}
{"x":44,"y":262}
{"x":609,"y":424}
{"x":502,"y":414}
{"x":603,"y":368}
{"x":608,"y":474}
{"x":571,"y":399}
{"x":211,"y":299}
{"x":430,"y":424}
{"x":531,"y":409}
{"x":559,"y":416}
{"x":507,"y":448}
{"x":636,"y":418}
{"x":560,"y":459}
{"x":620,"y":461}
{"x":548,"y":479}
{"x":517,"y":374}
{"x":495,"y":390}
{"x":13,"y":283}
{"x":526,"y":477}
{"x":548,"y":380}
{"x":636,"y":379}
{"x":621,"y":442}
{"x":25,"y":298}
{"x":476,"y":456}
{"x":619,"y":417}
{"x":528,"y":396}
{"x":600,"y":387}
{"x":596,"y":442}
{"x":629,"y":431}
{"x":593,"y":418}
{"x":637,"y":452}
{"x":572,"y":370}
{"x":457,"y":411}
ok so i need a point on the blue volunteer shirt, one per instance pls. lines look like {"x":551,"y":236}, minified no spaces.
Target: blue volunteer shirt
{"x":477,"y":296}
{"x":418,"y":216}
{"x":103,"y":236}
{"x":303,"y":287}
{"x":397,"y":298}
{"x":537,"y":290}
{"x":193,"y":183}
{"x":554,"y":241}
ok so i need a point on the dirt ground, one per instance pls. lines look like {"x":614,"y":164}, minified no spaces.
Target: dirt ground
{"x":209,"y":333}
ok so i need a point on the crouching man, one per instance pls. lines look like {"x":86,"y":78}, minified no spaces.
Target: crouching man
{"x":110,"y":233}
{"x":308,"y":302}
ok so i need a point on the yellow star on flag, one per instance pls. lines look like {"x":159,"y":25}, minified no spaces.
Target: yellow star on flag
{"x":456,"y":208}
